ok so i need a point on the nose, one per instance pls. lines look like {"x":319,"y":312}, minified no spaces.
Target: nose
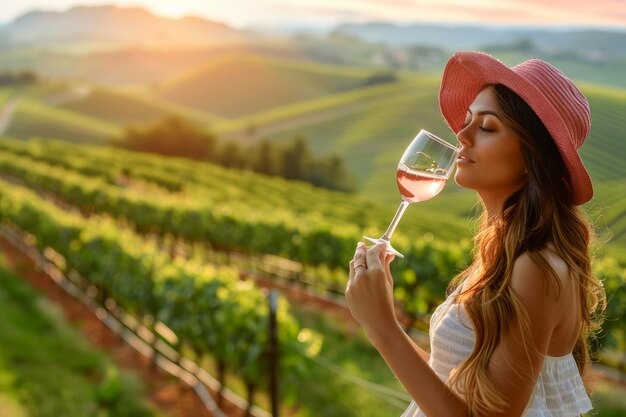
{"x":464,"y":137}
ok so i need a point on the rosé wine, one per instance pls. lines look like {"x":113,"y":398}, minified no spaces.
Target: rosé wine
{"x":418,"y":185}
{"x":423,"y":171}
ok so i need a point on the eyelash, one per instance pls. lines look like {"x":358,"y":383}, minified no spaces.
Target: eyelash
{"x":480,"y":127}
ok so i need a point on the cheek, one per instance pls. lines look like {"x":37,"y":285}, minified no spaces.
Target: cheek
{"x":508,"y":163}
{"x":499,"y":166}
{"x":512,"y":161}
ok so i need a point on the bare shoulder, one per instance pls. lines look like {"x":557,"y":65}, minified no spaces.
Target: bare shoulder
{"x":531,"y":282}
{"x":528,"y":278}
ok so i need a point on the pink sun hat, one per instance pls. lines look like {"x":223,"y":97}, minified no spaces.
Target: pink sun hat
{"x":557,"y":101}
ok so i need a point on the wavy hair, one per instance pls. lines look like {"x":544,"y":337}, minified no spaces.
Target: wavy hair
{"x":539,"y":213}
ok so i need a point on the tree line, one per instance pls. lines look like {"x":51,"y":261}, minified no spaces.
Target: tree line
{"x":292,"y":160}
{"x":18,"y":78}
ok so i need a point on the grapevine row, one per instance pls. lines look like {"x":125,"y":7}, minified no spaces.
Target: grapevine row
{"x":209,"y":308}
{"x":210,"y":182}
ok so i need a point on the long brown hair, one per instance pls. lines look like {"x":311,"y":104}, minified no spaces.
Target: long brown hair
{"x":539,"y":213}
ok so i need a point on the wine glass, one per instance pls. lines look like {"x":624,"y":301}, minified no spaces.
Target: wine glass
{"x":422,"y":173}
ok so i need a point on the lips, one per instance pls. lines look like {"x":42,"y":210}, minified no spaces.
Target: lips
{"x":464,"y":158}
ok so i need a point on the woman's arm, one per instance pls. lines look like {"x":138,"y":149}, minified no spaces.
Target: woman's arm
{"x":370,"y":297}
{"x":385,"y":261}
{"x":513,"y":368}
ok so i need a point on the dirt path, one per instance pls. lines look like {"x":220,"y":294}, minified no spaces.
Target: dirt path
{"x":75,"y":93}
{"x":6,"y":115}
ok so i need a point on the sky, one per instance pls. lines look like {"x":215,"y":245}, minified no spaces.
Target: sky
{"x":242,"y":13}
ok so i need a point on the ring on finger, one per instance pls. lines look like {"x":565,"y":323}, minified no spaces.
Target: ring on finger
{"x":361,"y":264}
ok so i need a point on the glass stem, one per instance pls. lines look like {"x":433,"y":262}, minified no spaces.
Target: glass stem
{"x":396,"y":219}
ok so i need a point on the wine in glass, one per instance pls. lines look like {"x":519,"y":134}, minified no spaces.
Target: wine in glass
{"x":422,"y":173}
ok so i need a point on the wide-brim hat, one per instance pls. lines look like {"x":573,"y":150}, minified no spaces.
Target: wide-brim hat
{"x":557,"y":101}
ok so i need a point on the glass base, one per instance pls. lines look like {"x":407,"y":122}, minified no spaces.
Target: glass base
{"x":389,"y":247}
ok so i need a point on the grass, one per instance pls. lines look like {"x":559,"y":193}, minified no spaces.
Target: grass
{"x":47,"y":369}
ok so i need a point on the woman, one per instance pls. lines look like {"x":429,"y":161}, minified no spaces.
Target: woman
{"x":511,"y":339}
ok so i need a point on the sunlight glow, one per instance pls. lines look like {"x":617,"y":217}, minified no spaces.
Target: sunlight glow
{"x":170,"y":9}
{"x":329,"y":12}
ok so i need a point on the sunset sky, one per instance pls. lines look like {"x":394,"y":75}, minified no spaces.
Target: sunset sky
{"x":240,"y":13}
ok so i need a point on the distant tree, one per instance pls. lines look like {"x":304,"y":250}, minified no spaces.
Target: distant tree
{"x":22,"y":78}
{"x":296,"y":160}
{"x":27,"y":77}
{"x":381,"y":78}
{"x":232,"y":155}
{"x":176,"y":136}
{"x":251,"y":129}
{"x":265,"y":158}
{"x":173,"y":136}
{"x":521,"y":45}
{"x":331,"y":173}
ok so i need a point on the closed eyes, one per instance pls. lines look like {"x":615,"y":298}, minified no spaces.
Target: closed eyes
{"x":480,"y":127}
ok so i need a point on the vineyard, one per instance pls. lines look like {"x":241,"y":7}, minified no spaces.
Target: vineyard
{"x":170,"y":241}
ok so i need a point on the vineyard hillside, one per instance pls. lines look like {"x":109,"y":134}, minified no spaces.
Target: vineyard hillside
{"x":123,"y":107}
{"x":33,"y":118}
{"x":237,"y":85}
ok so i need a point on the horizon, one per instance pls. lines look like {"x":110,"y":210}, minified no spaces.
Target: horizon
{"x":323,"y":15}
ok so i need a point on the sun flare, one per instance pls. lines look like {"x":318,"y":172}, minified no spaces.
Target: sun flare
{"x":170,"y":9}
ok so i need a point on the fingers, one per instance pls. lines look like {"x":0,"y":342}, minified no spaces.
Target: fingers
{"x":373,"y":255}
{"x":358,"y":262}
{"x":359,"y":259}
{"x":368,"y":258}
{"x":369,"y":263}
{"x":388,"y":259}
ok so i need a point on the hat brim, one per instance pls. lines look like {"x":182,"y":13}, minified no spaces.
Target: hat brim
{"x":467,"y":73}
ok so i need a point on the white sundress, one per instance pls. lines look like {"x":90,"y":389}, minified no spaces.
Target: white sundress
{"x":559,"y":391}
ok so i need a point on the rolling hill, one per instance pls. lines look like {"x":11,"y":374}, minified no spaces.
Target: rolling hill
{"x":123,"y":107}
{"x":241,"y":84}
{"x":35,"y":119}
{"x":116,"y":26}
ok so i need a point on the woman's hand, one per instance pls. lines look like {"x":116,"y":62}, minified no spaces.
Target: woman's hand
{"x":369,"y":292}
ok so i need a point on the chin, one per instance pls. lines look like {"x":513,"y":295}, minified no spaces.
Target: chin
{"x":463,"y":181}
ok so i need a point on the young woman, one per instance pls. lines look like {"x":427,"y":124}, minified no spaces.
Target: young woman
{"x":511,"y":339}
